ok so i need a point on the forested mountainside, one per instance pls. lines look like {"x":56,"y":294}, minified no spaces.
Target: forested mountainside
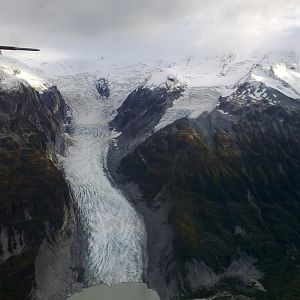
{"x":219,"y":194}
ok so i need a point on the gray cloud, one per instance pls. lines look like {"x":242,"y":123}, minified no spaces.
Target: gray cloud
{"x":156,"y":27}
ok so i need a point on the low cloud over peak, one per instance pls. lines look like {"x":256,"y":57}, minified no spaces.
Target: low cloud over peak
{"x":150,"y":28}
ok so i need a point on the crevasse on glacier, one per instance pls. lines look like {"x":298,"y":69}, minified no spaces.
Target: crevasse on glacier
{"x":113,"y":232}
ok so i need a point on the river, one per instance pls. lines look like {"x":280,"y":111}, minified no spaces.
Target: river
{"x":128,"y":291}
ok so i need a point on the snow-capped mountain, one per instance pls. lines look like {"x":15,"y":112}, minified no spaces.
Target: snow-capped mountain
{"x":220,"y":75}
{"x":13,"y":72}
{"x":208,"y":79}
{"x":37,"y":223}
{"x":213,"y":180}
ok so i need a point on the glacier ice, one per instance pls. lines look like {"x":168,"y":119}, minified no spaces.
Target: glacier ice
{"x":113,"y":230}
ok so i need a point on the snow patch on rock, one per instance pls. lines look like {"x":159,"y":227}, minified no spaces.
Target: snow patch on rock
{"x":13,"y":73}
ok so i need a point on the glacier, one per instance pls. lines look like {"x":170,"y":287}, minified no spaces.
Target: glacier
{"x":114,"y":233}
{"x":114,"y":237}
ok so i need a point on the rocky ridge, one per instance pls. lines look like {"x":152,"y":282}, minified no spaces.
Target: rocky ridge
{"x":219,"y":192}
{"x":36,"y":209}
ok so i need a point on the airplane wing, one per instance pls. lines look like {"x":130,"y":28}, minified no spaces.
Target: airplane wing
{"x":17,"y":48}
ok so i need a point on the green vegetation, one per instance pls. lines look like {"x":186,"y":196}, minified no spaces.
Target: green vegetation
{"x":32,"y":193}
{"x":246,"y":179}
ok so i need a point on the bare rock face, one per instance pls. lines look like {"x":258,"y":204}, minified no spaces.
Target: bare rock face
{"x":143,"y":109}
{"x":137,"y":117}
{"x":220,"y":199}
{"x":56,"y":104}
{"x":35,"y":202}
{"x":102,"y":86}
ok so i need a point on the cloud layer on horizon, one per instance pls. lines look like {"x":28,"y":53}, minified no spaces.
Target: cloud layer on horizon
{"x":151,"y":28}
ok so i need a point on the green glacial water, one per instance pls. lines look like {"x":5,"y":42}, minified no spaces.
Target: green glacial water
{"x":124,"y":291}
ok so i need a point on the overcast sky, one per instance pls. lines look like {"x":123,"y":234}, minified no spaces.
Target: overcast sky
{"x":150,"y":27}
